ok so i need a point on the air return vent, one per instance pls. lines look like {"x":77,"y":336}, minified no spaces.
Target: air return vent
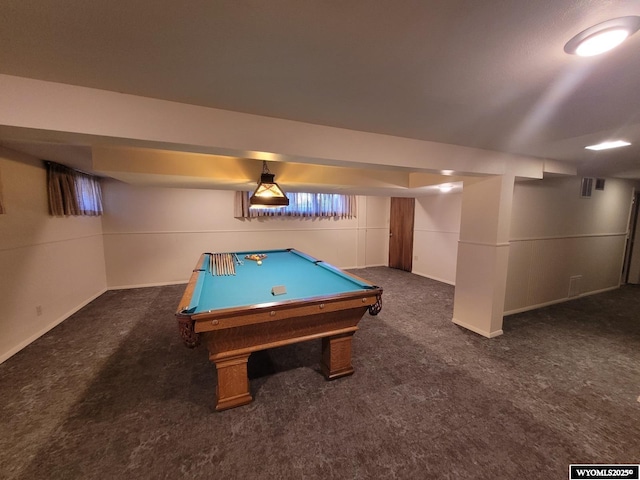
{"x":587,"y":187}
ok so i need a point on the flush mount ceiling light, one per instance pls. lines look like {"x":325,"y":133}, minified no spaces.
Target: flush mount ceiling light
{"x":268,"y":193}
{"x":608,"y":145}
{"x":602,"y":37}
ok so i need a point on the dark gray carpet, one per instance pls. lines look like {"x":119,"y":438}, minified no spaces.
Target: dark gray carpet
{"x":112,"y":393}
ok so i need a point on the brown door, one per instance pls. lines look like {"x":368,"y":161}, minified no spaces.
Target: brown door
{"x":401,"y":233}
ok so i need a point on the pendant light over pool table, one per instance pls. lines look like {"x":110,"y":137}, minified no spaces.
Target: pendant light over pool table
{"x":268,"y":193}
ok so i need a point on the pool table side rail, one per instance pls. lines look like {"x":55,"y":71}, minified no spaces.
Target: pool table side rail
{"x":338,"y":271}
{"x":275,"y":311}
{"x":185,"y":322}
{"x":191,"y":286}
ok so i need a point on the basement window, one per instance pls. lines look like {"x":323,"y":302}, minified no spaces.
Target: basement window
{"x":300,"y":205}
{"x":71,"y":192}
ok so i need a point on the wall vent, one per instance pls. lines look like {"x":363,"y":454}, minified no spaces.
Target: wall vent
{"x":599,"y":183}
{"x":587,"y":187}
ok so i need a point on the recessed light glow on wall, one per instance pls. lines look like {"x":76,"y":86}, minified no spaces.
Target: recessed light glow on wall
{"x":608,"y":145}
{"x":603,"y":37}
{"x":445,"y":188}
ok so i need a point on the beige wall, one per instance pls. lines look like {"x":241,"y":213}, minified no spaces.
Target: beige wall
{"x":154,"y":235}
{"x":563,"y":245}
{"x":634,"y":266}
{"x":436,"y":235}
{"x":555,"y":235}
{"x":56,"y":264}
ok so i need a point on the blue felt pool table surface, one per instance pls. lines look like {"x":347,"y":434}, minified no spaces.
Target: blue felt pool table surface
{"x":303,"y":277}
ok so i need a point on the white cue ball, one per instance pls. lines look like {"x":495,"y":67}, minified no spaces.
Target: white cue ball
{"x":259,"y":262}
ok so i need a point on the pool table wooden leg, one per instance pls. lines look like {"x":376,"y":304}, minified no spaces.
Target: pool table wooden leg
{"x":233,"y":383}
{"x":336,"y":356}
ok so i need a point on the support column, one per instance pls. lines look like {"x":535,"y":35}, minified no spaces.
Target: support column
{"x":483,"y":255}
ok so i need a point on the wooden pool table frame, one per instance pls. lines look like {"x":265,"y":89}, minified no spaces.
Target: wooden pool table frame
{"x":232,"y":334}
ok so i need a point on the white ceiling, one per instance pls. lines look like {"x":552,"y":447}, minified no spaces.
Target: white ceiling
{"x":488,"y":74}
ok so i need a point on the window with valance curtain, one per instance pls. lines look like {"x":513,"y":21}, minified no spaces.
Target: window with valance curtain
{"x":300,"y":205}
{"x":71,"y":192}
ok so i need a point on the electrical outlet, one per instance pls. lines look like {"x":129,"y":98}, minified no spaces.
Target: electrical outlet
{"x":39,"y":310}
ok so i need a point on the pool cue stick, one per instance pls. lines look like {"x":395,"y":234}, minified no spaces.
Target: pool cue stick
{"x":215,"y":260}
{"x":224,"y":264}
{"x":233,"y":265}
{"x":211,"y":263}
{"x":226,"y":258}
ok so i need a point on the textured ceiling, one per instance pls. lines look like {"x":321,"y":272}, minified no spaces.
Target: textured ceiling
{"x":489,"y":74}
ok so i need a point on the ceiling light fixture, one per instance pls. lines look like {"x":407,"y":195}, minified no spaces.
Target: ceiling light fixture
{"x":608,"y":145}
{"x":268,"y":193}
{"x":603,"y":37}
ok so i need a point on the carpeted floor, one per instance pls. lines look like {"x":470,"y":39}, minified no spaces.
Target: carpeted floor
{"x":112,"y":393}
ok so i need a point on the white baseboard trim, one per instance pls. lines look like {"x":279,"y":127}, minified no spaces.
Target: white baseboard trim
{"x":145,"y":285}
{"x":557,"y":301}
{"x":6,"y":355}
{"x":437,"y":279}
{"x":366,"y":266}
{"x":474,"y":329}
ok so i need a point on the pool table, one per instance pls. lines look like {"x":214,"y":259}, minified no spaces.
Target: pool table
{"x":237,"y":306}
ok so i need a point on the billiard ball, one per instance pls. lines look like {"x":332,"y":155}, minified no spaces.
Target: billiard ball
{"x":259,"y":262}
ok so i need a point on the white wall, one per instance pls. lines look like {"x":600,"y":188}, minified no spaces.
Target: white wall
{"x":436,"y":235}
{"x":634,"y":265}
{"x":155,"y":235}
{"x":556,"y":235}
{"x":56,"y":264}
{"x":373,"y":221}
